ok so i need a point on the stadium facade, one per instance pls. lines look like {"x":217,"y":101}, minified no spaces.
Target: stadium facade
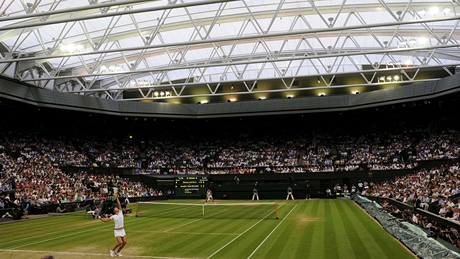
{"x":201,"y":59}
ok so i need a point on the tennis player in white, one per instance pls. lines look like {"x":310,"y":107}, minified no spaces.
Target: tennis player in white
{"x":209,"y":196}
{"x":289,"y":193}
{"x":119,"y":230}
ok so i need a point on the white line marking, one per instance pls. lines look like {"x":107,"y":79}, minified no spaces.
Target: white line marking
{"x":88,"y":254}
{"x":193,"y":221}
{"x":166,"y":210}
{"x":182,"y":225}
{"x":54,"y":238}
{"x":187,"y":233}
{"x":231,"y":241}
{"x":274,"y":229}
{"x":92,"y":229}
{"x":35,"y":235}
{"x":210,"y":204}
{"x":55,"y":232}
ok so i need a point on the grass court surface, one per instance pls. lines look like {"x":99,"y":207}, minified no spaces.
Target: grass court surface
{"x":306,"y":229}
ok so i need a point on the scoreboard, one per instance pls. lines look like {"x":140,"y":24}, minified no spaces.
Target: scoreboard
{"x":190,"y":186}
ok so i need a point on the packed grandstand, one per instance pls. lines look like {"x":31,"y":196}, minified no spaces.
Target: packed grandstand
{"x":230,"y":129}
{"x":35,"y":166}
{"x":295,"y":154}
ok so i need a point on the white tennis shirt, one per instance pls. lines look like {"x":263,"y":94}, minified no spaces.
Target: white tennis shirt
{"x":118,"y":219}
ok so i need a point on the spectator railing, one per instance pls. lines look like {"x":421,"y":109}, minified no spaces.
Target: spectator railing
{"x":454,"y":197}
{"x":422,"y":245}
{"x":431,"y":216}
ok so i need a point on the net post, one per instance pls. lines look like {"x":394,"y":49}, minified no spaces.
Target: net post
{"x":202,"y":210}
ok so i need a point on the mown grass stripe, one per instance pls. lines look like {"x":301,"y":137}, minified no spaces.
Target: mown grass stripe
{"x":355,"y":234}
{"x":317,"y":245}
{"x":387,"y":243}
{"x":276,"y":247}
{"x":362,"y":228}
{"x":37,"y":224}
{"x":85,"y":254}
{"x":332,"y":240}
{"x":273,"y":231}
{"x":51,"y":239}
{"x":244,"y":232}
{"x":341,"y":236}
{"x":356,"y":240}
{"x":305,"y":243}
{"x":177,"y":245}
{"x":202,"y":226}
{"x":43,"y":234}
{"x":329,"y":239}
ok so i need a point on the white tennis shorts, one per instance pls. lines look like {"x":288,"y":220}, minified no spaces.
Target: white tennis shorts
{"x":119,"y":233}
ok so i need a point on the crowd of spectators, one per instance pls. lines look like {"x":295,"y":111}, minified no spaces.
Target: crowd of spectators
{"x":178,"y":154}
{"x":438,"y":146}
{"x":246,"y":154}
{"x":35,"y":179}
{"x":113,"y":153}
{"x":322,"y":153}
{"x":434,"y":190}
{"x":434,"y":228}
{"x":33,"y":167}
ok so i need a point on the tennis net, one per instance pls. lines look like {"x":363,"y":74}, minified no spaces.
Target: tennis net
{"x":268,"y":210}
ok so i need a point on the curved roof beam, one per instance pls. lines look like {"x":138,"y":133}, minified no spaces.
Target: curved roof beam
{"x":240,"y":38}
{"x":158,"y":52}
{"x":133,"y":2}
{"x":73,"y":10}
{"x":104,"y":15}
{"x":228,"y":18}
{"x":109,"y":82}
{"x":207,"y":63}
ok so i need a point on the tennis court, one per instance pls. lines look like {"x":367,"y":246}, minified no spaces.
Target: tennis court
{"x":305,"y":229}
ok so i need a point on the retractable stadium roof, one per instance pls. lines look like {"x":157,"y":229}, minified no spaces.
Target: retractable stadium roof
{"x":199,"y":51}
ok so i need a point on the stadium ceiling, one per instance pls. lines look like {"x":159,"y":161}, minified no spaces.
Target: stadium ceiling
{"x":196,"y":50}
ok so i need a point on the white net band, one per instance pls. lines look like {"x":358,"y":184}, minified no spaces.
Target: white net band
{"x":206,"y":210}
{"x":208,"y":204}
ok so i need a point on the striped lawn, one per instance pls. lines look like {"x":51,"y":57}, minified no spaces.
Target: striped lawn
{"x":306,"y":229}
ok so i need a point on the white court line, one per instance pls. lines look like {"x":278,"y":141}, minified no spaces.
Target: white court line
{"x":54,"y":238}
{"x":35,"y":235}
{"x":242,"y":233}
{"x":88,"y":230}
{"x":88,"y":254}
{"x":274,"y":229}
{"x":50,"y":233}
{"x":182,"y":225}
{"x":210,"y":204}
{"x":189,"y":233}
{"x":193,"y":221}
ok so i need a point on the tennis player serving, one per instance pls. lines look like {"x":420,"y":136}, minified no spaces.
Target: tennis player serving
{"x":119,"y":230}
